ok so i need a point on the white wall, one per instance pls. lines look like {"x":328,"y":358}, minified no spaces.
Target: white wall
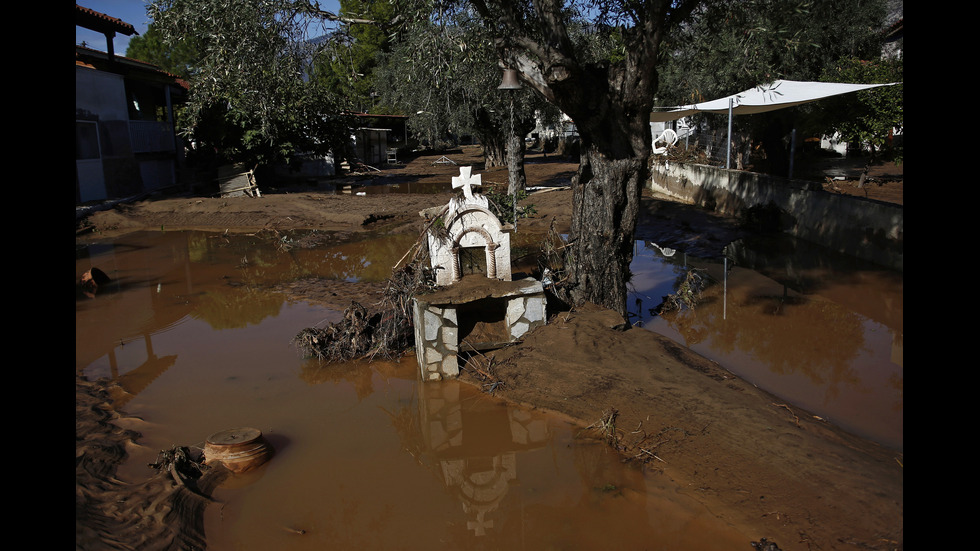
{"x":103,"y":94}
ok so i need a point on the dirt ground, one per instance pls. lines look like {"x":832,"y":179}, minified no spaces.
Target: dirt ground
{"x":770,"y":469}
{"x":884,"y":181}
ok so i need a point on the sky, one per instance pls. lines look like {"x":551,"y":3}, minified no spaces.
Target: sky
{"x":134,"y":13}
{"x":130,"y":11}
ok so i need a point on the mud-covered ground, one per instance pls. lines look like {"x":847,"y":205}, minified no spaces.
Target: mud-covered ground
{"x":768,"y":468}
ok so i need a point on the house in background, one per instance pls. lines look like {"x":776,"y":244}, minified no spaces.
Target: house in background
{"x":125,"y":139}
{"x":377,"y":137}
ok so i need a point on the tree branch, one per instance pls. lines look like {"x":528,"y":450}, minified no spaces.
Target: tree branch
{"x":533,"y":76}
{"x":538,"y":61}
{"x":316,"y":11}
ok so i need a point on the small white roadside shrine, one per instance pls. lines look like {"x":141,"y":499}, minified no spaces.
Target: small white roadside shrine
{"x":472,"y":310}
{"x":469,"y":226}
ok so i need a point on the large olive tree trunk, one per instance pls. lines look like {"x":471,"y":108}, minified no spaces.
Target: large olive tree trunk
{"x":606,"y":198}
{"x":516,"y":149}
{"x":494,"y":151}
{"x":611,"y":108}
{"x":610,"y":102}
{"x":492,"y":137}
{"x":613,"y":169}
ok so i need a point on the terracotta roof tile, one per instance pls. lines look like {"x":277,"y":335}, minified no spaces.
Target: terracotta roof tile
{"x":97,"y":21}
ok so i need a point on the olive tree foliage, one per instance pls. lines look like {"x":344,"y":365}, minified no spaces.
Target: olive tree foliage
{"x":250,"y":99}
{"x":732,"y":45}
{"x":869,"y":117}
{"x":178,"y":58}
{"x":609,"y":97}
{"x":433,"y":74}
{"x":347,"y":62}
{"x":454,"y":91}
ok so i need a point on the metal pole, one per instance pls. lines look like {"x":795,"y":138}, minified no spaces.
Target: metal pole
{"x":792,"y":152}
{"x":724,"y":300}
{"x":728,"y":143}
{"x":510,"y":160}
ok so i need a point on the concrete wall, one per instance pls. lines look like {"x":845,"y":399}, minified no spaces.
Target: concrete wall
{"x":860,"y":227}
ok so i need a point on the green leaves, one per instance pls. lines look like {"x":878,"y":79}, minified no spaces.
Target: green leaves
{"x":870,"y":116}
{"x":249,"y":95}
{"x":453,"y":90}
{"x":502,"y":205}
{"x":733,"y":45}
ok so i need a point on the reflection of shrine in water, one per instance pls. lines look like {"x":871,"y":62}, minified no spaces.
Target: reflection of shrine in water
{"x":480,"y":464}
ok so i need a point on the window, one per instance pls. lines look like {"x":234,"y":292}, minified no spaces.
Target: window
{"x":146,"y":102}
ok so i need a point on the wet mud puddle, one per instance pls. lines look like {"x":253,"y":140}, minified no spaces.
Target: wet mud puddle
{"x":364,"y":455}
{"x":819,"y":330}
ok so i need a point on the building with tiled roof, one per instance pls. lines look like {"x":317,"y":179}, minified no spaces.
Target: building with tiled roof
{"x":125,"y":139}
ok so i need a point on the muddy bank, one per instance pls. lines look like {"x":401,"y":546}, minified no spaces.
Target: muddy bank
{"x":157,"y":513}
{"x":767,"y":467}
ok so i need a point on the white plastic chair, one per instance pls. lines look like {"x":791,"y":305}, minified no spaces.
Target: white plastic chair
{"x":668,"y":137}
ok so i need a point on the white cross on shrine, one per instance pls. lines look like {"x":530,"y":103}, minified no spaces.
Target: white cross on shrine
{"x":466,"y":181}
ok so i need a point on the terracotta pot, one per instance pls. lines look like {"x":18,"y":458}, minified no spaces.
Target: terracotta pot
{"x":239,"y":450}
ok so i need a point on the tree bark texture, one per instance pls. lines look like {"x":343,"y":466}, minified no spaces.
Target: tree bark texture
{"x":492,"y":137}
{"x":606,"y":203}
{"x":613,"y":120}
{"x":494,"y":153}
{"x":516,"y":177}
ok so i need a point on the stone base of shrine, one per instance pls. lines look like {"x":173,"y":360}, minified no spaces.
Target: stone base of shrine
{"x":473,"y":314}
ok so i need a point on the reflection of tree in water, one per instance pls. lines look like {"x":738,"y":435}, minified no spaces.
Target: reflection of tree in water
{"x":370,"y":259}
{"x":233,"y":307}
{"x":405,"y":421}
{"x":359,"y":374}
{"x":240,"y":300}
{"x":271,"y":257}
{"x":788,"y":333}
{"x":897,"y":382}
{"x":601,"y":475}
{"x":241,"y":250}
{"x":266,"y":259}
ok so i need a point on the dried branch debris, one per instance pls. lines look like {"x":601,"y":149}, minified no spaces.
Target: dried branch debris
{"x":552,"y":262}
{"x":350,"y":338}
{"x":637,"y":445}
{"x":688,"y":292}
{"x":482,"y":367}
{"x":605,"y":428}
{"x":387,"y":331}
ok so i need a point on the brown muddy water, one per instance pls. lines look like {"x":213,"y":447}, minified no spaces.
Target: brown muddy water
{"x":820,"y":330}
{"x":367,"y":457}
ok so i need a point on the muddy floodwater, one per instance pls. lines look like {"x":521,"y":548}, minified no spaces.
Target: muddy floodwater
{"x":820,"y":330}
{"x":365,"y":456}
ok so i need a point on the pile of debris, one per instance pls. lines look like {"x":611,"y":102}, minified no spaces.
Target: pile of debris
{"x":364,"y":335}
{"x":688,"y":292}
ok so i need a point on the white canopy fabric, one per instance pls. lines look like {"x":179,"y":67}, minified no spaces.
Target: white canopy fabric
{"x":766,"y":97}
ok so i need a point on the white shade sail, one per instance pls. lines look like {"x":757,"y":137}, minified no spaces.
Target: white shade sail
{"x":765,"y":97}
